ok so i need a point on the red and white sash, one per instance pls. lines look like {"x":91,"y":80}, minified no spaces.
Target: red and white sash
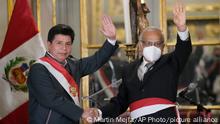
{"x":149,"y":106}
{"x":62,"y":76}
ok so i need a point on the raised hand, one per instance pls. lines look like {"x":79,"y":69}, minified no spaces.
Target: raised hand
{"x":108,"y":28}
{"x":179,"y":16}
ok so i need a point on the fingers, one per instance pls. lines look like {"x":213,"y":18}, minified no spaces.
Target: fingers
{"x":94,"y":112}
{"x":178,"y":7}
{"x":175,"y":9}
{"x":182,"y":7}
{"x":108,"y":28}
{"x":90,"y":115}
{"x":106,"y":20}
{"x":179,"y":15}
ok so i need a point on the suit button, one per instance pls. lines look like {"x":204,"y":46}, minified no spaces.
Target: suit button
{"x":142,"y":90}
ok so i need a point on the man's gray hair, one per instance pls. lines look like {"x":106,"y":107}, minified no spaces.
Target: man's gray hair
{"x":151,"y":28}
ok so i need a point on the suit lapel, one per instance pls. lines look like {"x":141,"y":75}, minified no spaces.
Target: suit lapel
{"x":137,"y":67}
{"x":132,"y":75}
{"x":156,"y":66}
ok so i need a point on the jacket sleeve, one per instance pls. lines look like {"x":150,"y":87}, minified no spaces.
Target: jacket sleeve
{"x":40,"y":85}
{"x":182,"y":52}
{"x":118,"y":104}
{"x":91,"y":64}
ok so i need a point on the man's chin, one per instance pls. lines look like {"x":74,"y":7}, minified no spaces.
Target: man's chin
{"x":62,"y":59}
{"x":146,"y":60}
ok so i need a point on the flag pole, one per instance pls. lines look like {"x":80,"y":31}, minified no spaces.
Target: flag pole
{"x":54,"y":21}
{"x":10,"y":9}
{"x":84,"y":86}
{"x":38,"y":15}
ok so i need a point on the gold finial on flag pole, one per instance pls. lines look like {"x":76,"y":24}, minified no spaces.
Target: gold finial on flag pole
{"x":10,"y":8}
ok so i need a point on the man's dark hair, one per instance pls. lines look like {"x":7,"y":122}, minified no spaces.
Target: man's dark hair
{"x":60,"y":29}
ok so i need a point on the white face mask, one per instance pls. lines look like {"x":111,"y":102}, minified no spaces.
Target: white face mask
{"x":151,"y":53}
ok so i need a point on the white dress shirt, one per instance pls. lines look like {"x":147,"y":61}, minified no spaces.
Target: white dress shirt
{"x":143,"y":68}
{"x":111,"y":41}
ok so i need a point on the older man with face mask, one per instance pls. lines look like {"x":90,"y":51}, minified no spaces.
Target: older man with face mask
{"x":149,"y":84}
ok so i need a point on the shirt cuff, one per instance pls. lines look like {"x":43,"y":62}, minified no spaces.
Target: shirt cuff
{"x":183,"y":35}
{"x":100,"y":115}
{"x":111,"y":41}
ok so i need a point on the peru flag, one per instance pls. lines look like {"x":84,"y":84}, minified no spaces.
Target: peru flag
{"x":21,"y":47}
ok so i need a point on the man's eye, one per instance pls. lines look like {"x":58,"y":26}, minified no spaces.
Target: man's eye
{"x":69,"y":44}
{"x":59,"y":43}
{"x":149,"y":43}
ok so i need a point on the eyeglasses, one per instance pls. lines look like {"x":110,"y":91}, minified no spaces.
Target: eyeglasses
{"x":152,"y":43}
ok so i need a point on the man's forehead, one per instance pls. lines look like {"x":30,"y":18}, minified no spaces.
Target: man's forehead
{"x":152,"y":34}
{"x":156,"y":31}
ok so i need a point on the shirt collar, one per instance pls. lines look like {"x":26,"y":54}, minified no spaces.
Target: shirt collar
{"x":144,"y":62}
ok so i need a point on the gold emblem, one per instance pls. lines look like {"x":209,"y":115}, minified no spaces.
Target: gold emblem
{"x":16,"y":72}
{"x":73,"y":91}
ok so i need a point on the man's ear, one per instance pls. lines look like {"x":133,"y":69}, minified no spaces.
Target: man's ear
{"x":141,"y":45}
{"x":48,"y":43}
{"x":139,"y":49}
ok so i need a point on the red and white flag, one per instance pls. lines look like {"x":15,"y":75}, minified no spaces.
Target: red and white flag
{"x":21,"y":47}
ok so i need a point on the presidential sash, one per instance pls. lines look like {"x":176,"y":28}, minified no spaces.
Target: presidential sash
{"x":149,"y":106}
{"x":62,"y":76}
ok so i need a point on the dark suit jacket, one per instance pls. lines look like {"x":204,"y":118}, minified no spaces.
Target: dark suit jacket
{"x":47,"y":98}
{"x":160,"y":82}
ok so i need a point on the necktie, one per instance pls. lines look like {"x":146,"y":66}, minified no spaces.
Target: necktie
{"x":143,"y":69}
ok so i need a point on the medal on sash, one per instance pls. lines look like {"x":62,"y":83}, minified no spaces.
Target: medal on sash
{"x":73,"y":91}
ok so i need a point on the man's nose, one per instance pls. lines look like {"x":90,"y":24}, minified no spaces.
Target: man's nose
{"x":64,"y":47}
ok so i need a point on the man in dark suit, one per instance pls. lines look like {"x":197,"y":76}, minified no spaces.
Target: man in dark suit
{"x":53,"y":81}
{"x":149,"y":84}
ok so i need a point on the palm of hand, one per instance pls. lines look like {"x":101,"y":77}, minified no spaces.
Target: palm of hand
{"x":109,"y":31}
{"x":108,"y":28}
{"x":179,"y":16}
{"x":179,"y":19}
